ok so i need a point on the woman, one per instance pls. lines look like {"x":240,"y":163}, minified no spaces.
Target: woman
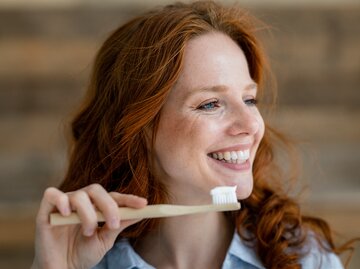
{"x":172,"y":92}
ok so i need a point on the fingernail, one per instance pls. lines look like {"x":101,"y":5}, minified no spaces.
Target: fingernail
{"x":114,"y":223}
{"x":88,"y":232}
{"x":66,"y":211}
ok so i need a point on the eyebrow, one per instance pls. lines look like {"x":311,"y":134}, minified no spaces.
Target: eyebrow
{"x":219,"y":88}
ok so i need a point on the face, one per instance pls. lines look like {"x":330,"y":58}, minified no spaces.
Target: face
{"x":210,"y":127}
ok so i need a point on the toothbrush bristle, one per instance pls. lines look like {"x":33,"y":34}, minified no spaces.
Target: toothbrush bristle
{"x":224,"y":195}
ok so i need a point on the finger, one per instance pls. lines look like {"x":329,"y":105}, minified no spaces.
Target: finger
{"x":129,"y":200}
{"x":108,"y":236}
{"x":105,"y":204}
{"x":53,"y":198}
{"x":81,"y":202}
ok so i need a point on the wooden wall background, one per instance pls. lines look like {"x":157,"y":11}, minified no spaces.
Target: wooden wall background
{"x":45,"y":58}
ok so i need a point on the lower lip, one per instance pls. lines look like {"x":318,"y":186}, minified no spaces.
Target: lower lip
{"x":234,"y":166}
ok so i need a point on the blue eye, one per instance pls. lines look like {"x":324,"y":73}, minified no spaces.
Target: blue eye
{"x":209,"y":106}
{"x":251,"y":102}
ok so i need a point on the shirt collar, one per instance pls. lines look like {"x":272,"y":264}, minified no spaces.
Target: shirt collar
{"x":240,"y":251}
{"x":237,"y":250}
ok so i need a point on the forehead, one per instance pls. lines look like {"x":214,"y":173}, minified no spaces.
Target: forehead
{"x":213,"y":59}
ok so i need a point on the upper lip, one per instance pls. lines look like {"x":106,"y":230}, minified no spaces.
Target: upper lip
{"x":239,"y":147}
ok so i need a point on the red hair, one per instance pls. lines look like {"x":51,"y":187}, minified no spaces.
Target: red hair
{"x":133,"y":73}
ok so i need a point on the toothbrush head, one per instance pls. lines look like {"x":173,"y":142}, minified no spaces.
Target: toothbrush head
{"x":224,"y":195}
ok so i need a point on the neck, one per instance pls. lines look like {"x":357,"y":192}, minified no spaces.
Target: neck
{"x":194,"y":241}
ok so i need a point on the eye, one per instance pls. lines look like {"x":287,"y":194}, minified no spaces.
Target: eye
{"x":251,"y":101}
{"x":209,"y":106}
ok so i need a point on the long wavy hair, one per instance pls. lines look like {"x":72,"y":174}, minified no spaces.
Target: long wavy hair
{"x":133,"y":73}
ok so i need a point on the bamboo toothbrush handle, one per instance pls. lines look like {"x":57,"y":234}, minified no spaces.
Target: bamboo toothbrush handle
{"x":150,"y":211}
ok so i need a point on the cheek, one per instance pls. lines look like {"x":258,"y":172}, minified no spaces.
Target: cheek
{"x":174,"y":148}
{"x":261,"y":128}
{"x":260,"y":134}
{"x":172,"y":137}
{"x":186,"y":133}
{"x":261,"y":125}
{"x":182,"y":141}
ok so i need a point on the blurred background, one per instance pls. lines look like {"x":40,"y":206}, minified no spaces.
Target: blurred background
{"x":46,"y":52}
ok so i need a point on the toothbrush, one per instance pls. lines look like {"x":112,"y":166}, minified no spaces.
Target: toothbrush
{"x":223,"y":199}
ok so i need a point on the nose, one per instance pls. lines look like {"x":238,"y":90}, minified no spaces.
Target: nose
{"x":243,"y":121}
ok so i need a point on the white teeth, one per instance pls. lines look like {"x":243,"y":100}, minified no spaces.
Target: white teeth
{"x":227,"y":156}
{"x":240,"y":156}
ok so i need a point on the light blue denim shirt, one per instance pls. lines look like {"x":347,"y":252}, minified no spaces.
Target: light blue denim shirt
{"x":123,"y":256}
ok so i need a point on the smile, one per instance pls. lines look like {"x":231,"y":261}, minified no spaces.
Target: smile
{"x":237,"y":157}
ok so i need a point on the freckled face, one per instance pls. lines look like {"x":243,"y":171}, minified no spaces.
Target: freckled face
{"x":210,"y":127}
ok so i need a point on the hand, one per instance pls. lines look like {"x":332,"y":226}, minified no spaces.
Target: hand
{"x":83,"y":245}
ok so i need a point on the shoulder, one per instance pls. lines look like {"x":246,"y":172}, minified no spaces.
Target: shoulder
{"x":122,"y":256}
{"x":313,"y":255}
{"x":316,"y":256}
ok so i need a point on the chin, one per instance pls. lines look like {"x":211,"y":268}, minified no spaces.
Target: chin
{"x":243,"y":191}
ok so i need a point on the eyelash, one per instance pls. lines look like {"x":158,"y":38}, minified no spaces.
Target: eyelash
{"x":215,"y":104}
{"x":251,"y":102}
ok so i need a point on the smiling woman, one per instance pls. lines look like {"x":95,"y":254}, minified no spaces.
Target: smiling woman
{"x":215,"y":119}
{"x":170,"y":113}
